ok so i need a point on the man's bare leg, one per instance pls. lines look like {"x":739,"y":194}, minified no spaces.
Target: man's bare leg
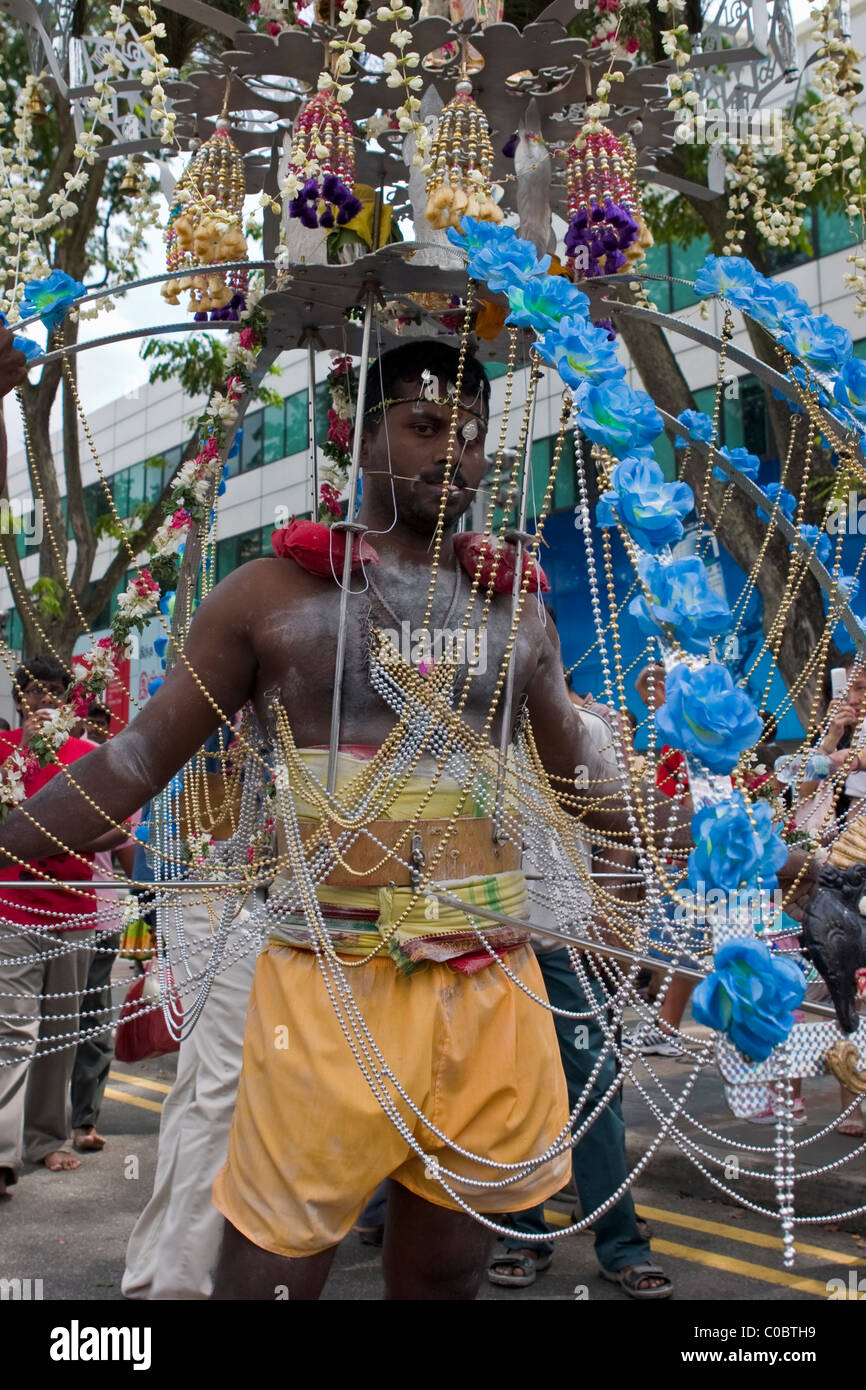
{"x":431,"y":1252}
{"x":245,"y":1271}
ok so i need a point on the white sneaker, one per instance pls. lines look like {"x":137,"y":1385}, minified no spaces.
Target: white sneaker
{"x":651,"y":1041}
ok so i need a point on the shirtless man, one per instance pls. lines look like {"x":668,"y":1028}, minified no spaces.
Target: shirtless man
{"x":271,"y":627}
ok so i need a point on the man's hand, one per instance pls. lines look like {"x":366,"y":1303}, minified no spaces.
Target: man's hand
{"x":13,"y":364}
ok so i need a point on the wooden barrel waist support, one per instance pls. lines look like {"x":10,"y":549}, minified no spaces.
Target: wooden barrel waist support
{"x":469,"y":853}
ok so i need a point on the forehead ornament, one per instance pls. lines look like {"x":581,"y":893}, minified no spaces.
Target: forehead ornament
{"x":429,"y":385}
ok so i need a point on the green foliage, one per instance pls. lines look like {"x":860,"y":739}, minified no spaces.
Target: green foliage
{"x":198,"y":362}
{"x":47,"y":595}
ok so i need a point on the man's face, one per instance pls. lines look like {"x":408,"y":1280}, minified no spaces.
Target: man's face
{"x":41,"y":695}
{"x":96,"y":730}
{"x":410,"y":447}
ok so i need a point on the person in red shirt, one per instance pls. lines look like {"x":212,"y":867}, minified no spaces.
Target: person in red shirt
{"x":46,"y":935}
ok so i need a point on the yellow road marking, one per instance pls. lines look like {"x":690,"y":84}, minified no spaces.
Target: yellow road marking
{"x":133,"y":1100}
{"x":139,"y":1081}
{"x":745,"y":1237}
{"x":743,"y":1267}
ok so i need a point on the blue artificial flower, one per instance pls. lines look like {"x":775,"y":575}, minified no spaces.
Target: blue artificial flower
{"x":775,"y":303}
{"x":744,"y":462}
{"x":707,"y":715}
{"x":542,"y":302}
{"x":497,"y":254}
{"x":850,"y":387}
{"x":821,"y":343}
{"x":650,"y":508}
{"x":697,"y":425}
{"x":614,"y":415}
{"x":51,"y":299}
{"x":680,"y":598}
{"x":27,"y":346}
{"x":21,"y":342}
{"x":581,"y":353}
{"x":727,"y":275}
{"x":735,"y":846}
{"x":751,"y":995}
{"x":816,"y":540}
{"x":779,"y":495}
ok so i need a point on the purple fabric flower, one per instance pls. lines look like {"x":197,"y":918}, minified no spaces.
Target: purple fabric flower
{"x":340,"y":203}
{"x":605,"y":231}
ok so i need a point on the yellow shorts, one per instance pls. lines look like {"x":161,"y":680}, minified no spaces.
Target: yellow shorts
{"x":309,"y":1141}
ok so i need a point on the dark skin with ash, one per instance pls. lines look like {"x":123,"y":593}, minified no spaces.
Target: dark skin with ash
{"x":270,"y":631}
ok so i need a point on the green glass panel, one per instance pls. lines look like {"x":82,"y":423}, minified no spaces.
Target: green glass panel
{"x":153,"y":479}
{"x":136,"y":484}
{"x":753,"y":404}
{"x":227,"y":557}
{"x":540,"y":454}
{"x":665,"y":456}
{"x":275,"y":433}
{"x":297,"y":423}
{"x":833,"y":232}
{"x":564,"y":490}
{"x":732,"y":413}
{"x":252,"y":445}
{"x":14,"y":630}
{"x":686,"y":261}
{"x":249,"y":546}
{"x":495,"y":369}
{"x":659,"y":291}
{"x":323,"y":405}
{"x":120,"y":492}
{"x":860,"y":348}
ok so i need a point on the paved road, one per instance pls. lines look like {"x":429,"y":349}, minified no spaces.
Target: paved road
{"x":70,"y":1229}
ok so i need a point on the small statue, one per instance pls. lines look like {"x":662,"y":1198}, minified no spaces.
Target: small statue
{"x":834,"y":936}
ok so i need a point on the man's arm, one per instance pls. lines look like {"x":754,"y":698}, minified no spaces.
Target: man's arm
{"x":580,"y":771}
{"x":128,"y":770}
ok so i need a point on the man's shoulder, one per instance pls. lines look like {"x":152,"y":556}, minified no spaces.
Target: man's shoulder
{"x":258,"y":586}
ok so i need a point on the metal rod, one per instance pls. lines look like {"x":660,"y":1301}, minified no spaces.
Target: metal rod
{"x":311,"y":418}
{"x":516,"y":585}
{"x":83,"y":886}
{"x":583,"y":943}
{"x":336,"y":707}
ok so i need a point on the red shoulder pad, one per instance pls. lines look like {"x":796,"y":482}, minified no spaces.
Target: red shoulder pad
{"x":478,"y":555}
{"x":319,"y":549}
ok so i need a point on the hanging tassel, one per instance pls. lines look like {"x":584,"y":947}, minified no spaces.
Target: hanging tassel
{"x":461,"y":159}
{"x":606,"y":231}
{"x":205,"y":227}
{"x":320,"y":179}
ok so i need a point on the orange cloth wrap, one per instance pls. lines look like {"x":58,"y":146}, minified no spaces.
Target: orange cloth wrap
{"x":309,"y":1142}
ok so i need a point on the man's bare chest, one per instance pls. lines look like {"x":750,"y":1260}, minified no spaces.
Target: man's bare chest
{"x":395,"y":637}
